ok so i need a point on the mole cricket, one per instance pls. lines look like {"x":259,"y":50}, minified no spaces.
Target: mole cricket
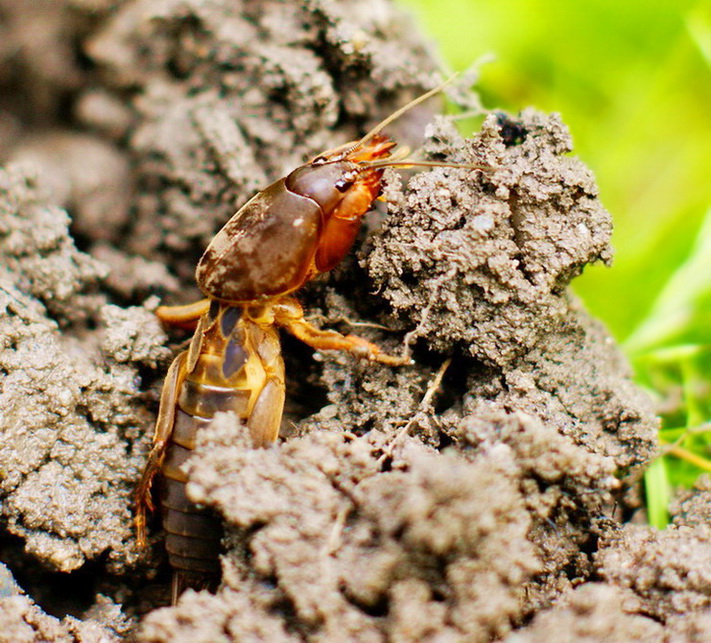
{"x":297,"y":228}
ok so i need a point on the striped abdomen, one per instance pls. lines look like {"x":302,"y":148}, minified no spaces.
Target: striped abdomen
{"x":233,"y":364}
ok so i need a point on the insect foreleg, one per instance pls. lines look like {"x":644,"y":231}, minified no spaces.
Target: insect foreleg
{"x":289,"y":315}
{"x":161,"y":436}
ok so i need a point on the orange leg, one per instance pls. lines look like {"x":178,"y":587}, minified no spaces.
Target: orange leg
{"x":289,"y":315}
{"x":163,"y":431}
{"x":186,"y":316}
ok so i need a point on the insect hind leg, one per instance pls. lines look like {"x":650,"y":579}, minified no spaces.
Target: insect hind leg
{"x":161,"y":437}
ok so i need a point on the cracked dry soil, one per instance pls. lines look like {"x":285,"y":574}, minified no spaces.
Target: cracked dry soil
{"x":496,"y":505}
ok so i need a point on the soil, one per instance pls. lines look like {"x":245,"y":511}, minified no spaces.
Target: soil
{"x":488,"y":491}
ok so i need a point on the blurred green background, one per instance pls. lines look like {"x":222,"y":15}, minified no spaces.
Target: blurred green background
{"x":632,"y":80}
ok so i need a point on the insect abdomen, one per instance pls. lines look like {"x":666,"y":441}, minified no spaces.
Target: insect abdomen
{"x":193,"y":534}
{"x":232,"y":365}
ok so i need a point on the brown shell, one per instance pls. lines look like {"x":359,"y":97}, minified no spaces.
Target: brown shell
{"x":265,"y":249}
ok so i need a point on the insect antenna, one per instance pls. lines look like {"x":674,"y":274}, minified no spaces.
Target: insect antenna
{"x":396,"y":114}
{"x":400,"y":159}
{"x":405,"y":163}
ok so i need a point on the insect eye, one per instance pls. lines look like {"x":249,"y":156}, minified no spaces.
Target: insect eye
{"x":342,"y":185}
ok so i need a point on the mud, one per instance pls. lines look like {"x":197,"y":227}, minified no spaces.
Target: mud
{"x":484,"y":492}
